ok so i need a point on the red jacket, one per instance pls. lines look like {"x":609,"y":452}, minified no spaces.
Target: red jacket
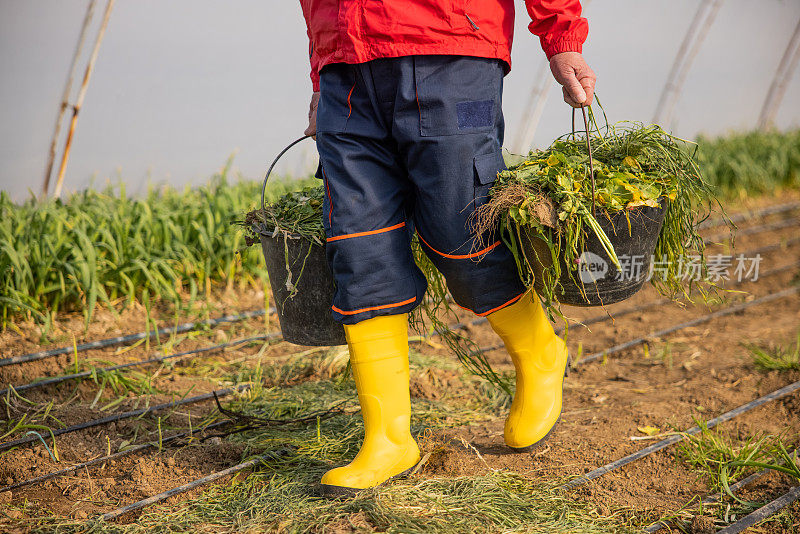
{"x":355,"y":31}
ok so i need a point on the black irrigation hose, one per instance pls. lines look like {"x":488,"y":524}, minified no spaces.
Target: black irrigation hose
{"x":275,"y":335}
{"x":594,"y":474}
{"x":762,"y":513}
{"x":233,"y":418}
{"x":744,"y":216}
{"x":641,"y":340}
{"x":125,"y":415}
{"x":114,"y":456}
{"x":653,"y":304}
{"x":774,"y":246}
{"x":711,"y":499}
{"x":676,"y":438}
{"x":617,"y":348}
{"x":769,"y":227}
{"x":781,"y":269}
{"x":194,"y":484}
{"x":84,"y":374}
{"x":130,"y":338}
{"x":694,"y":322}
{"x":715,"y":498}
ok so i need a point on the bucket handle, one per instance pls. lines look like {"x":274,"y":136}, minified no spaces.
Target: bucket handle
{"x":589,"y":148}
{"x":264,"y":187}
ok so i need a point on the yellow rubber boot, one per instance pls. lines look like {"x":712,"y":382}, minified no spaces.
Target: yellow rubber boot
{"x":540,"y":360}
{"x":379,"y":359}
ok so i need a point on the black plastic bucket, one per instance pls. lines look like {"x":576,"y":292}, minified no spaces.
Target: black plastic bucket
{"x":598,"y":281}
{"x":305,"y":317}
{"x":302,"y":283}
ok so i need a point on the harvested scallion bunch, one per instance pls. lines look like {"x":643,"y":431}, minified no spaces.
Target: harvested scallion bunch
{"x":299,"y":214}
{"x":549,"y":193}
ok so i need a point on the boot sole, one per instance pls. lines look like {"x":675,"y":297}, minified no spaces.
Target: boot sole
{"x":343,"y":492}
{"x":539,"y":443}
{"x":529,"y":448}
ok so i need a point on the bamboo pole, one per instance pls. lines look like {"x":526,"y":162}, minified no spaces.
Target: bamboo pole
{"x":690,"y":46}
{"x":780,"y":82}
{"x":76,"y":108}
{"x":62,"y":109}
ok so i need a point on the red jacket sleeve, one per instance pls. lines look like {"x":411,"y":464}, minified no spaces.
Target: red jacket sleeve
{"x":312,"y":54}
{"x":314,"y":58}
{"x":559,"y":25}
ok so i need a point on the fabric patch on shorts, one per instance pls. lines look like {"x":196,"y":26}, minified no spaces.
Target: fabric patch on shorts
{"x":475,"y":114}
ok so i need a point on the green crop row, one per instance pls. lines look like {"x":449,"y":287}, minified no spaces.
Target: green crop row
{"x":111,"y":248}
{"x":751,"y":163}
{"x":106,"y":247}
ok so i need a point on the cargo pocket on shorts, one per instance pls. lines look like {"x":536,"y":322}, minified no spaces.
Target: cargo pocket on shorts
{"x":337,"y":82}
{"x":486,"y":168}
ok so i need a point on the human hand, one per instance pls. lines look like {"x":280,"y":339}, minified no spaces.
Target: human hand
{"x":576,"y":78}
{"x":312,"y":116}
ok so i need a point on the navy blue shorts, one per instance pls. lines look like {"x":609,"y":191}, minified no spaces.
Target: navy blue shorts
{"x":411,"y":144}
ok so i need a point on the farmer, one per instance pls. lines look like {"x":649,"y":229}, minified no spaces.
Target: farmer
{"x":407,"y":116}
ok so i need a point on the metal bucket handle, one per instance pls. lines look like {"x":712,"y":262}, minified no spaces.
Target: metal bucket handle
{"x":589,"y":147}
{"x":264,"y":187}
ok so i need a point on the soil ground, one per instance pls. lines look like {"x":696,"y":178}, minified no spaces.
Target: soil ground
{"x":696,"y":373}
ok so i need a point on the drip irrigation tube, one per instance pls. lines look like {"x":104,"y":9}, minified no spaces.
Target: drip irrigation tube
{"x":745,"y":215}
{"x":194,"y":484}
{"x":762,"y":513}
{"x":125,"y":415}
{"x":234,"y":418}
{"x":694,"y":322}
{"x":774,"y":246}
{"x":275,"y":335}
{"x":676,"y":438}
{"x":122,"y":340}
{"x":715,"y":498}
{"x":114,"y":456}
{"x":648,"y":305}
{"x":177,"y":355}
{"x":594,"y":474}
{"x":750,"y":230}
{"x":612,"y":350}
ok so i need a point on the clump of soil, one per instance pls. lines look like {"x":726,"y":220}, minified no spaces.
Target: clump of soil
{"x":485,"y":219}
{"x":702,"y":524}
{"x":432,"y":384}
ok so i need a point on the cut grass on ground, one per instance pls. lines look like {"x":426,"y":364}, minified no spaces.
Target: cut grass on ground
{"x":280,"y":500}
{"x":776,"y":358}
{"x":721,"y":459}
{"x":283,"y":493}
